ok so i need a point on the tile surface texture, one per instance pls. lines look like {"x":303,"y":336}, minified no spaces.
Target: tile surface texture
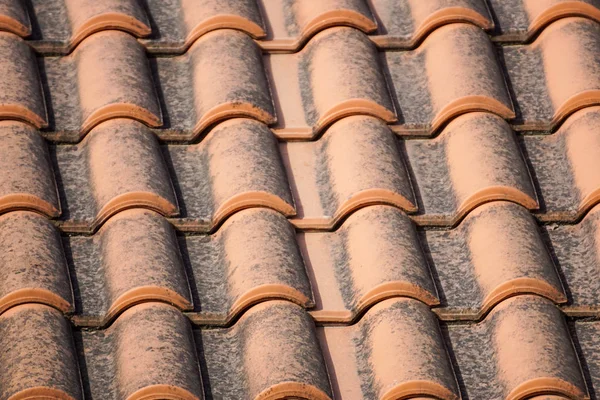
{"x":314,"y":199}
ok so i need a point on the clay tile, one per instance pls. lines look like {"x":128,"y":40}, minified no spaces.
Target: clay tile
{"x":293,"y":23}
{"x":133,"y":258}
{"x":236,"y":166}
{"x":37,"y":356}
{"x":26,"y":178}
{"x":252,"y":258}
{"x":106,"y":77}
{"x":395,"y":351}
{"x":567,"y":165}
{"x":14,"y":18}
{"x":523,"y":346}
{"x":557,"y":74}
{"x":270,"y":353}
{"x":497,"y":249}
{"x":577,"y":251}
{"x":22,"y":96}
{"x":374,"y":255}
{"x":520,"y":20}
{"x":337,"y":74}
{"x":118,"y":166}
{"x":220,"y":77}
{"x":356,"y":163}
{"x":179,"y":23}
{"x":148,"y":352}
{"x":475,"y":160}
{"x":33,"y":268}
{"x":405,"y":23}
{"x":89,"y":16}
{"x":454,"y":71}
{"x":587,"y":333}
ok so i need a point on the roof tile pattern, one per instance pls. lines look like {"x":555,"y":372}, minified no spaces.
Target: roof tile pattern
{"x":268,"y":199}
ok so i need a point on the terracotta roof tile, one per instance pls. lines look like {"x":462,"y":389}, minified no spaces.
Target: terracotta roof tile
{"x":557,"y":74}
{"x":374,"y":255}
{"x":338,"y":73}
{"x":178,"y":23}
{"x":148,"y":352}
{"x":395,"y":351}
{"x":119,"y":165}
{"x":133,"y":258}
{"x":405,"y":23}
{"x":566,"y":166}
{"x":20,"y":85}
{"x":499,"y":251}
{"x":291,"y":365}
{"x":587,"y":333}
{"x":520,"y":20}
{"x":356,"y":163}
{"x":221,"y":76}
{"x":37,"y":355}
{"x":26,"y":178}
{"x":236,"y":166}
{"x":14,"y":18}
{"x":578,"y":253}
{"x":523,"y":347}
{"x":251,"y":258}
{"x":108,"y":76}
{"x":33,"y":265}
{"x":450,"y":187}
{"x":439,"y":80}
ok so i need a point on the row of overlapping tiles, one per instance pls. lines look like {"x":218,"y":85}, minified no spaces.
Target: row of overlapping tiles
{"x":171,"y":26}
{"x":398,"y":350}
{"x":374,"y":270}
{"x":338,"y":73}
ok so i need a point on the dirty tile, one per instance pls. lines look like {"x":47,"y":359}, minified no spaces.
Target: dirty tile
{"x":356,"y":163}
{"x":60,"y":25}
{"x":37,"y":356}
{"x":395,"y":351}
{"x":14,"y":18}
{"x":496,"y":252}
{"x":221,"y":76}
{"x":119,"y":165}
{"x":403,"y":24}
{"x":26,"y":176}
{"x":567,"y":166}
{"x":133,"y":258}
{"x":106,"y":77}
{"x":448,"y":184}
{"x":577,"y":252}
{"x":374,"y":255}
{"x":556,"y":75}
{"x":148,"y":352}
{"x":236,"y":166}
{"x":33,"y":268}
{"x":270,"y":352}
{"x":521,"y":20}
{"x":522,"y":348}
{"x":253,"y":257}
{"x":337,"y":74}
{"x":454,"y":71}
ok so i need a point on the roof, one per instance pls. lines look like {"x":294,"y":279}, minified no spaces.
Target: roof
{"x":333,"y":199}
